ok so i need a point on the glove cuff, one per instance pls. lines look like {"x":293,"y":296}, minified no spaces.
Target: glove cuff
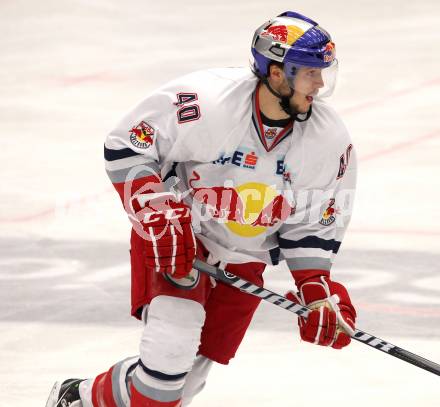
{"x":302,"y":276}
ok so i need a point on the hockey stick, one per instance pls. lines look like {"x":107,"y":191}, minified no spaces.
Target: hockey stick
{"x":280,"y":301}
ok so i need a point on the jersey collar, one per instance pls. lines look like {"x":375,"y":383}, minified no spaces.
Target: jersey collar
{"x":258,"y":124}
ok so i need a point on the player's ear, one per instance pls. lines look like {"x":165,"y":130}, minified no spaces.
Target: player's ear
{"x":276,"y":73}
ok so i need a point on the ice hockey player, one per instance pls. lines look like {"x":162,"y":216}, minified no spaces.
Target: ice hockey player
{"x":241,"y":168}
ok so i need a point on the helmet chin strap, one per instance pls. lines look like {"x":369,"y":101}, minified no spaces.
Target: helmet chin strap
{"x":285,"y":102}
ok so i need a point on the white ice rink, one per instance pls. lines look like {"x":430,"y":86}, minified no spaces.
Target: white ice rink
{"x":70,"y":69}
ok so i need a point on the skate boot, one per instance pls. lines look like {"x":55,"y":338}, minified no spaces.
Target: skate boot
{"x":65,"y":394}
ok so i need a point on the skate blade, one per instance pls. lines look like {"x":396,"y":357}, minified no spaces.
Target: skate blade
{"x":52,"y":401}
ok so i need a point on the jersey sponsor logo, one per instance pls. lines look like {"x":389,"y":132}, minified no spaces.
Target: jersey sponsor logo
{"x":328,"y":216}
{"x":142,"y":135}
{"x":250,"y":160}
{"x":246,"y":210}
{"x":281,"y":167}
{"x":244,"y":158}
{"x":283,"y":170}
{"x":187,"y":283}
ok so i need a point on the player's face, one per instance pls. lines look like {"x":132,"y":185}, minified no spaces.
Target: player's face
{"x":306,"y":83}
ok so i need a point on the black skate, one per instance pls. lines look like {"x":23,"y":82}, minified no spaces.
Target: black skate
{"x":65,"y":394}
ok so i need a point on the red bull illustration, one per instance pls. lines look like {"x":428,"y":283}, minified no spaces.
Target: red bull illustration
{"x":247,"y":209}
{"x":222,"y":202}
{"x":286,"y":34}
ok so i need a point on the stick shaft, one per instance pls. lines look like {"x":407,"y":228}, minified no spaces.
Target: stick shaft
{"x":283,"y":302}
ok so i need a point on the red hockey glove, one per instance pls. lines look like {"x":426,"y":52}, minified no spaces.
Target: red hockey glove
{"x":168,"y":234}
{"x":162,"y":221}
{"x":332,"y":321}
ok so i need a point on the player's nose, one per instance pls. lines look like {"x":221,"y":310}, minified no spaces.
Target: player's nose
{"x":319,"y":81}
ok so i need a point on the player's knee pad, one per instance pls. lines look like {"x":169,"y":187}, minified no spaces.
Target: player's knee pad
{"x":171,"y":335}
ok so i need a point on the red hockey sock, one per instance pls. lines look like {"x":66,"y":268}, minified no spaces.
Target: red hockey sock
{"x":139,"y":400}
{"x":102,"y":392}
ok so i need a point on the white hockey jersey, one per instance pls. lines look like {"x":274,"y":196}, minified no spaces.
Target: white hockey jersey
{"x":257,"y":193}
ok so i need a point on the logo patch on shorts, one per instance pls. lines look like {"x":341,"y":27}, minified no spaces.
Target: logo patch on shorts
{"x":141,"y":136}
{"x":186,"y":283}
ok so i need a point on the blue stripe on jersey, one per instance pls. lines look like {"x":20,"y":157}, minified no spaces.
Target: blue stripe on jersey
{"x":113,"y":155}
{"x":310,"y":242}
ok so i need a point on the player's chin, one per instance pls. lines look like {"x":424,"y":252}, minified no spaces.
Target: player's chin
{"x":303,"y":107}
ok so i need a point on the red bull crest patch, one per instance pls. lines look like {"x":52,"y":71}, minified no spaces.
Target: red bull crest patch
{"x":328,"y":216}
{"x":142,"y":135}
{"x":270,"y":133}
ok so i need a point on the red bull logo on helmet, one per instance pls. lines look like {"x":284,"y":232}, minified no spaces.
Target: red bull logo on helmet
{"x":286,"y":34}
{"x":141,"y":136}
{"x":329,"y":52}
{"x":247,"y":210}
